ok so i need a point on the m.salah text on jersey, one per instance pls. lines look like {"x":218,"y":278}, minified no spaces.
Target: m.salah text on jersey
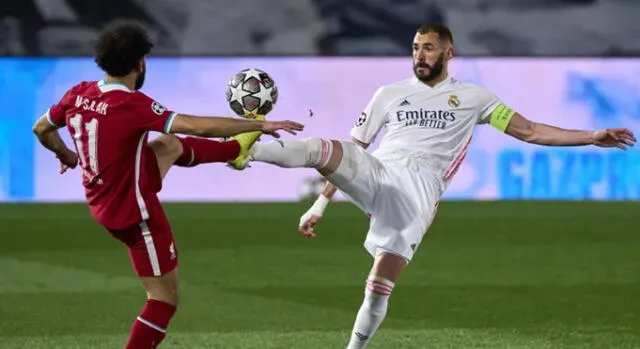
{"x":87,"y":104}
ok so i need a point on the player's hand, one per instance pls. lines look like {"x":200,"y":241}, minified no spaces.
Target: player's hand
{"x":272,"y":127}
{"x":310,"y":218}
{"x":614,"y":138}
{"x":68,"y":160}
{"x":308,"y":222}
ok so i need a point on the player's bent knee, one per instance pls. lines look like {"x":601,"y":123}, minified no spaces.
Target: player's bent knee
{"x":166,"y":146}
{"x":333,"y":155}
{"x":322,"y":154}
{"x":343,"y":167}
{"x":167,"y":149}
{"x":163,"y":288}
{"x":168,"y":295}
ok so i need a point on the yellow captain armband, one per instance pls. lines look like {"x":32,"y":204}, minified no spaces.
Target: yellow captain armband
{"x":500,"y":117}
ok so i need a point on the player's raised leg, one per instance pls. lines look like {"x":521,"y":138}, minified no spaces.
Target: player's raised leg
{"x":386,"y":269}
{"x":346,"y":165}
{"x":191,"y":151}
{"x":322,"y":154}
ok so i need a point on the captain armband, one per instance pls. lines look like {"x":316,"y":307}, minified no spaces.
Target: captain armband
{"x":501,"y":116}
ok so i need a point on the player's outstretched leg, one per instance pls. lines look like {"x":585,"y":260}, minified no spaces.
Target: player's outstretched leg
{"x":191,"y":151}
{"x":196,"y":151}
{"x":322,"y":154}
{"x":382,"y":278}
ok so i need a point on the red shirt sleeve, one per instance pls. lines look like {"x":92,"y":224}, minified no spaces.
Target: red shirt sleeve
{"x":151,"y":115}
{"x":56,"y":115}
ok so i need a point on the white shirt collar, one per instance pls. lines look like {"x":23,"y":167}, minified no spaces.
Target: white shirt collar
{"x":441,"y":84}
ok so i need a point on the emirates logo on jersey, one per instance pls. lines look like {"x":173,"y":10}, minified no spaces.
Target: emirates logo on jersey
{"x":437,"y":119}
{"x":158,"y":108}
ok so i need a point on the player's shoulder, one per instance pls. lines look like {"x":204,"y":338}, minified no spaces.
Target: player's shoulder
{"x":85,"y":87}
{"x":140,"y":96}
{"x":82,"y":88}
{"x":400,"y":85}
{"x":394,"y":90}
{"x":471,"y":91}
{"x":469,"y":87}
{"x":145,"y":101}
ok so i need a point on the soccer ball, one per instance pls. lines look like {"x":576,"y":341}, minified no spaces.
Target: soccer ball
{"x":251,"y":92}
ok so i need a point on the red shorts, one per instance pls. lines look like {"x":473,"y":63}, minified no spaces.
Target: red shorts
{"x":151,"y":246}
{"x":152,"y":249}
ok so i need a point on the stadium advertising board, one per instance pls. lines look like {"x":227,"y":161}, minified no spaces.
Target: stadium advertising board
{"x":571,"y":93}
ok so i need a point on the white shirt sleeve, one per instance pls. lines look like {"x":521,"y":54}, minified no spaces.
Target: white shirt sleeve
{"x":372,"y":119}
{"x":487,"y":102}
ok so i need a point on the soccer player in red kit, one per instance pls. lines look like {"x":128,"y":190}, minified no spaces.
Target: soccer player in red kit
{"x":109,"y":122}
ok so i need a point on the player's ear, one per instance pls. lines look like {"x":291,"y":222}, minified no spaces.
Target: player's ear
{"x":450,"y":52}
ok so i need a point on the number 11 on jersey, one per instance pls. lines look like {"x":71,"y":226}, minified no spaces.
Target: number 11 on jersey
{"x":90,"y":129}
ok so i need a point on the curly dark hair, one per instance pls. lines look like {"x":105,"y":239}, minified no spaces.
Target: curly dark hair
{"x":121,"y":46}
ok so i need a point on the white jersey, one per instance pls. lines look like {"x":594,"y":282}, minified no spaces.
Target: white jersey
{"x":433,"y":125}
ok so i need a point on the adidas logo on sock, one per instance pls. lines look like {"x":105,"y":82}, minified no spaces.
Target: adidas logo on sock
{"x":361,"y":336}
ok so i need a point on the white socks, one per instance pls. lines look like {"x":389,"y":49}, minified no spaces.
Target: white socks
{"x":372,"y":311}
{"x":310,"y":152}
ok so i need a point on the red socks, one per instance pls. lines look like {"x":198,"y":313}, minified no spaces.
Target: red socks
{"x":150,"y":327}
{"x":197,"y":151}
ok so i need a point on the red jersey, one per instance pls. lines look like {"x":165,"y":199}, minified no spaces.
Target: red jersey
{"x":109,"y":125}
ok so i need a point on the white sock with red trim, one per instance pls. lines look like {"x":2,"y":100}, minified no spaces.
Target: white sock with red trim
{"x":310,"y":152}
{"x":372,"y":311}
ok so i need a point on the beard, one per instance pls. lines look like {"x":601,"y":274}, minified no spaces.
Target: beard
{"x":140,"y":79}
{"x":435,"y":70}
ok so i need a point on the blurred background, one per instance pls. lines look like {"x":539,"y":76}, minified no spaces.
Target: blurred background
{"x":328,"y":27}
{"x":571,"y":63}
{"x":501,"y":267}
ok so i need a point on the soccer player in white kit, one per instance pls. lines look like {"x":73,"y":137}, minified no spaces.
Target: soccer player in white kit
{"x":430,"y":119}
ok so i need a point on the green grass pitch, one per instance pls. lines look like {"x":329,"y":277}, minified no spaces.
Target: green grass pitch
{"x":529,"y":275}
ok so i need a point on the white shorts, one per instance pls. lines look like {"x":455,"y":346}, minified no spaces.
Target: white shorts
{"x":401,"y":200}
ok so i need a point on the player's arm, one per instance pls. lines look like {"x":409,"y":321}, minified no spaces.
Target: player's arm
{"x":46,"y":130}
{"x":153,"y":116}
{"x":226,"y":127}
{"x":48,"y":136}
{"x":517,"y":126}
{"x":497,"y":114}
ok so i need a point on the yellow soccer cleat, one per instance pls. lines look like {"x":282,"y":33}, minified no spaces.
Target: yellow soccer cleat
{"x":246,"y":141}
